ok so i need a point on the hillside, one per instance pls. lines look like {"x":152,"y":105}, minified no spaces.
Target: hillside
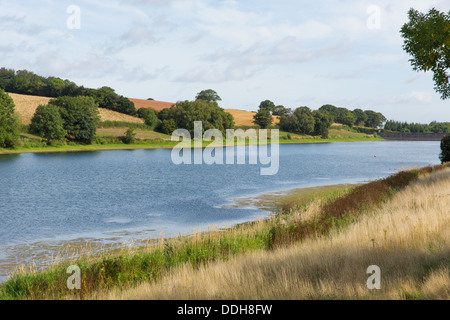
{"x":155,"y":105}
{"x":245,"y":118}
{"x":26,"y":106}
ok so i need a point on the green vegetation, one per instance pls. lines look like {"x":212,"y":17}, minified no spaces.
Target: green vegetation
{"x":185,"y":113}
{"x":80,"y":117}
{"x":263,"y":118}
{"x":427,"y":39}
{"x":367,"y":118}
{"x":47,"y":123}
{"x":208,"y":95}
{"x":433,"y":127}
{"x":9,"y":124}
{"x":445,"y":149}
{"x":26,"y":82}
{"x":149,"y":116}
{"x":109,"y":137}
{"x":127,"y":269}
{"x":322,"y":123}
{"x":307,"y":122}
{"x":130,"y":137}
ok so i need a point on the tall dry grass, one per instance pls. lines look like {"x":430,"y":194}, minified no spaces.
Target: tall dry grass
{"x":407,"y":237}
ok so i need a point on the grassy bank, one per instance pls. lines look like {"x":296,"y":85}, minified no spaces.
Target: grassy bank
{"x":108,"y":138}
{"x":153,"y":271}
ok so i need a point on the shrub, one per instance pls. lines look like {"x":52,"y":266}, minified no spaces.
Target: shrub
{"x":47,"y":123}
{"x":149,"y":117}
{"x":130,"y":137}
{"x":80,"y":116}
{"x":445,"y":149}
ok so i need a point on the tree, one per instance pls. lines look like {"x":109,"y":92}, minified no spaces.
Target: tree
{"x":281,"y":111}
{"x":9,"y":123}
{"x":185,"y":113}
{"x":361,"y":117}
{"x":107,"y":98}
{"x":374,"y":119}
{"x":149,"y":116}
{"x":331,"y":110}
{"x":55,"y":87}
{"x":427,"y":39}
{"x":130,"y":136}
{"x":322,"y":122}
{"x":5,"y":77}
{"x":305,"y":120}
{"x":47,"y":123}
{"x":208,"y":95}
{"x":289,"y":123}
{"x":263,"y":118}
{"x":268,"y":105}
{"x":445,"y":149}
{"x":168,"y":126}
{"x":345,"y":117}
{"x":80,"y":116}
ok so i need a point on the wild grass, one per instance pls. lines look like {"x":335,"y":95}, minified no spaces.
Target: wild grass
{"x":269,"y":243}
{"x":407,"y":237}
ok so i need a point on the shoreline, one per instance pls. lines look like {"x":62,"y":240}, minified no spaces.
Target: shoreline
{"x":61,"y":250}
{"x":211,"y":244}
{"x":166,"y":145}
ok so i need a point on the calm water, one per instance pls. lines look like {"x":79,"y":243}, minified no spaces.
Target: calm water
{"x":49,"y":199}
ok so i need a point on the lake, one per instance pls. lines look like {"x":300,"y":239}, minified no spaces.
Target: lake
{"x":109,"y":197}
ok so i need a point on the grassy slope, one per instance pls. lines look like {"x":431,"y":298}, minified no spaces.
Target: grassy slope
{"x":319,"y":250}
{"x":151,"y":139}
{"x":406,"y":237}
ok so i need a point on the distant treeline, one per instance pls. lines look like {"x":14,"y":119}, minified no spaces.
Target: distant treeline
{"x":433,"y":127}
{"x":27,"y":82}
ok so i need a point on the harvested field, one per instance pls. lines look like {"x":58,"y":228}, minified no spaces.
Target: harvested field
{"x":26,"y":107}
{"x":245,"y":118}
{"x":109,"y":115}
{"x":155,"y":105}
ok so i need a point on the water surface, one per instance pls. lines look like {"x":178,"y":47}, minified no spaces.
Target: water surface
{"x":50,"y":199}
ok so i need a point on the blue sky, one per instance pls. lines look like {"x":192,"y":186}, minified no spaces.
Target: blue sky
{"x":295,"y":53}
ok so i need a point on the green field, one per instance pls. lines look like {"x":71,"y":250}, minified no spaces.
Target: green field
{"x":108,"y":139}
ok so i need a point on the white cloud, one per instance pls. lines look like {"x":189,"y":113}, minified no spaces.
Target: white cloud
{"x":292,"y":52}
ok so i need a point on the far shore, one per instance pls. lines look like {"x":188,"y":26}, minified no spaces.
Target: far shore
{"x":156,"y":145}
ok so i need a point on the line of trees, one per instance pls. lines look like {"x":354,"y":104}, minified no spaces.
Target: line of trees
{"x":432,"y":127}
{"x":27,"y":82}
{"x":306,"y":121}
{"x":357,"y":117}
